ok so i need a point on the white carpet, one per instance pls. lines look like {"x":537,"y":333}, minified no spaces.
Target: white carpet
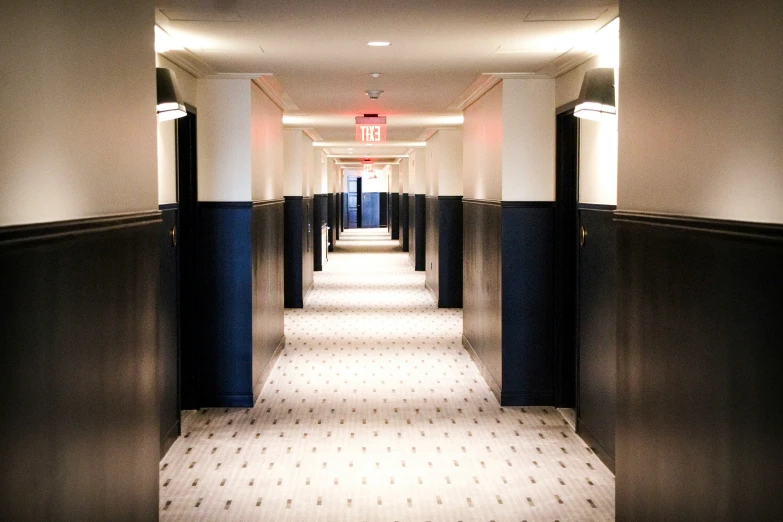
{"x":375,"y":412}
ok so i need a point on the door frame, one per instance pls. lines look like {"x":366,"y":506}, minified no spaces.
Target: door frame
{"x":566,"y":250}
{"x":187,"y":246}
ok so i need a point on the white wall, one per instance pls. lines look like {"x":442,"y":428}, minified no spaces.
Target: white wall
{"x":450,"y":162}
{"x":404,"y":176}
{"x":224,"y":140}
{"x":483,"y":146}
{"x":293,"y":162}
{"x":528,"y":152}
{"x":702,"y":118}
{"x":77,"y":110}
{"x":418,"y":171}
{"x":320,"y":172}
{"x":597,"y":140}
{"x":266,"y":142}
{"x":308,"y":165}
{"x":394,"y":180}
{"x":431,"y":165}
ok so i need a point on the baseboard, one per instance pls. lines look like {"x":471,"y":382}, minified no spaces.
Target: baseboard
{"x":493,"y":385}
{"x":239,"y":400}
{"x":527,"y":399}
{"x":268,"y":368}
{"x":599,"y":450}
{"x":171,"y":437}
{"x":307,"y":294}
{"x":432,"y":293}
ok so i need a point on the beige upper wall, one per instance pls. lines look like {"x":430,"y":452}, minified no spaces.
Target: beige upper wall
{"x":701,"y":125}
{"x":266,"y":146}
{"x":77,"y":103}
{"x":528,"y":150}
{"x":418,"y":171}
{"x":444,"y":163}
{"x":482,"y":151}
{"x":224,"y":140}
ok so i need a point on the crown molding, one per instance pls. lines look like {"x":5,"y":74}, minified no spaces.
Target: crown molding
{"x":272,"y":88}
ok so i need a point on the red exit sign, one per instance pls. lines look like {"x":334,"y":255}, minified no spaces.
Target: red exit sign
{"x":371,"y":129}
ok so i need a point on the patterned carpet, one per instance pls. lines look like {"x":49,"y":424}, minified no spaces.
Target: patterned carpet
{"x":375,"y":412}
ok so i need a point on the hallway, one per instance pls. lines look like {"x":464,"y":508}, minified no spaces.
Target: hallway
{"x":376,"y":412}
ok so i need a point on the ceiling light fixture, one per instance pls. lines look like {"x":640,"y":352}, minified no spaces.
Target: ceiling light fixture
{"x":170,"y":103}
{"x":374,"y":94}
{"x":375,"y":75}
{"x":379,"y":44}
{"x":596,"y":98}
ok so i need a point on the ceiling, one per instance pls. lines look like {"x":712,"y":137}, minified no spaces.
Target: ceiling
{"x":315,"y":52}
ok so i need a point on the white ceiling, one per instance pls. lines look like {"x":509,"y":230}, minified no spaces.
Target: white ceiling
{"x":317,"y":49}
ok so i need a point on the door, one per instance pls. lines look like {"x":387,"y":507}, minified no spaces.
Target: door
{"x":353,"y":203}
{"x":566,"y":261}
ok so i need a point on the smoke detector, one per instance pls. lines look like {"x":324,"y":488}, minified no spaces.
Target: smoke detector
{"x":374,"y":94}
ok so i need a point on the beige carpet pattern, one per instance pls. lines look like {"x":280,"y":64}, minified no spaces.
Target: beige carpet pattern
{"x":375,"y":412}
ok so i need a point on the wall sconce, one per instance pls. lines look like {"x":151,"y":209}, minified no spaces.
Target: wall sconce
{"x":596,"y":98}
{"x":170,"y":104}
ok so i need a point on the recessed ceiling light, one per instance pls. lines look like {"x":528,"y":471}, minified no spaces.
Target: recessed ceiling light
{"x":375,"y":75}
{"x":379,"y":44}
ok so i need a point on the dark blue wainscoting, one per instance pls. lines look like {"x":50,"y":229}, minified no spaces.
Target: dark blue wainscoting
{"x":596,"y":409}
{"x":404,"y":219}
{"x":482,"y":319}
{"x":699,"y":355}
{"x":298,"y":219}
{"x":383,"y":204}
{"x":332,"y":214}
{"x":225,"y":304}
{"x":371,"y":209}
{"x":418,"y":227}
{"x":81,"y":423}
{"x":528,"y":303}
{"x":268,"y":288}
{"x":168,"y":335}
{"x":394,"y":221}
{"x":432,"y":236}
{"x":450,"y":251}
{"x":320,"y":218}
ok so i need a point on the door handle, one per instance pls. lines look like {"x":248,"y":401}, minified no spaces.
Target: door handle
{"x":173,"y":236}
{"x":582,"y":236}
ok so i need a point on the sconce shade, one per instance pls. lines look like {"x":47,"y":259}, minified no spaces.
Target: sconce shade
{"x":170,"y":104}
{"x":596,"y":97}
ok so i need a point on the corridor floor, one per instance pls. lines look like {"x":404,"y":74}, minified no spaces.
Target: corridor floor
{"x":375,"y":412}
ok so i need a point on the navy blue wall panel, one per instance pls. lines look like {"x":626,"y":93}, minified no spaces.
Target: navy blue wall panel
{"x":699,"y":355}
{"x":482,"y":320}
{"x":320,"y":217}
{"x":394,"y":221}
{"x":383,"y":205}
{"x":168,"y":325}
{"x":596,"y":408}
{"x":332,"y":214}
{"x":418,"y":227}
{"x":225,"y":304}
{"x":527,"y":303}
{"x":404,"y":220}
{"x":449,"y":252}
{"x":432,"y":235}
{"x":371,"y":209}
{"x":81,"y":423}
{"x":268,"y":287}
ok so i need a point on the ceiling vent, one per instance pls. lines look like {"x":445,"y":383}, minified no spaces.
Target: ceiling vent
{"x":374,"y":94}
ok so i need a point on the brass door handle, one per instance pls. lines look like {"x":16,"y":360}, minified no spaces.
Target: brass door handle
{"x":173,"y":236}
{"x":582,"y":236}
